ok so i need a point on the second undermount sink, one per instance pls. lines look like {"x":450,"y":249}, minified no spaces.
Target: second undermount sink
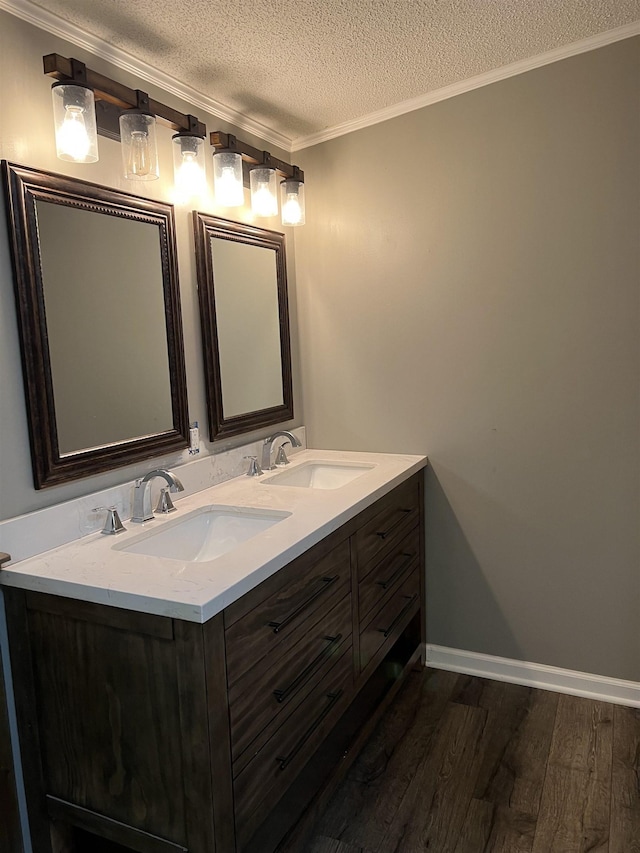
{"x":204,"y":534}
{"x":319,"y":475}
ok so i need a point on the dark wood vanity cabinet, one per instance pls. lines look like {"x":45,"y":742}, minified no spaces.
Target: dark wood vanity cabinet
{"x":157,"y":735}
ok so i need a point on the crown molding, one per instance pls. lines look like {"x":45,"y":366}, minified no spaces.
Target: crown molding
{"x":45,"y":20}
{"x":512,"y":70}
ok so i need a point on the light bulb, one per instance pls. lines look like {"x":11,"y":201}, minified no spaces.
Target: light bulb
{"x":264,"y":191}
{"x":189,"y":167}
{"x":138,"y":143}
{"x":291,"y":213}
{"x":292,"y":197}
{"x":73,"y":139}
{"x":227,"y":179}
{"x":138,"y":164}
{"x":228,"y":193}
{"x":263,"y":203}
{"x":190,"y":175}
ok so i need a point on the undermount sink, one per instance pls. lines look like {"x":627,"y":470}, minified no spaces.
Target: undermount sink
{"x":319,"y":475}
{"x":204,"y":534}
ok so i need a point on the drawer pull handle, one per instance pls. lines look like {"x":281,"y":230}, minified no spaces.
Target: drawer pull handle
{"x":308,"y":671}
{"x":399,"y":571}
{"x":326,"y":583}
{"x":333,"y":698}
{"x":384,"y":533}
{"x":400,"y":615}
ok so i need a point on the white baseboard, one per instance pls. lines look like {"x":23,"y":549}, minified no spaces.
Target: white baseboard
{"x":535,"y":675}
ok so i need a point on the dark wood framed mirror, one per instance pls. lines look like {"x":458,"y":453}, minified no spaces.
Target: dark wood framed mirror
{"x":98,"y":301}
{"x":244,"y":311}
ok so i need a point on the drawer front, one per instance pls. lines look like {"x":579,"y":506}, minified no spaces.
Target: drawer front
{"x":266,"y":778}
{"x":385,"y":626}
{"x":281,"y":615}
{"x":399,"y":512}
{"x":266,"y":695}
{"x":387,"y":573}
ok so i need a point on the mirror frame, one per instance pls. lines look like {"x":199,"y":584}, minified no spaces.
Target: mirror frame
{"x":205,"y":227}
{"x":23,"y":188}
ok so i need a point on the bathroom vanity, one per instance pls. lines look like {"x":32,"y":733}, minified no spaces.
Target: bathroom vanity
{"x":220,"y":716}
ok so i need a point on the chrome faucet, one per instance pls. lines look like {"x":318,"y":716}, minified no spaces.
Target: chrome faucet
{"x":142,"y":493}
{"x":267,"y":447}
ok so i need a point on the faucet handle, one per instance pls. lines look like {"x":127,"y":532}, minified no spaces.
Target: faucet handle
{"x":281,"y":456}
{"x":254,"y":469}
{"x":112,"y":524}
{"x":165,"y":504}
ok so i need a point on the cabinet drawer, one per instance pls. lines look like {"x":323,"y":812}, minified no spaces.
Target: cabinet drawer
{"x":282,"y":607}
{"x":398,"y":513}
{"x":266,"y":778}
{"x":266,"y":695}
{"x":389,"y":621}
{"x":387,"y":573}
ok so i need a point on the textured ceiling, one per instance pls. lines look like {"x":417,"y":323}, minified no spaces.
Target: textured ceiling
{"x":301,"y":66}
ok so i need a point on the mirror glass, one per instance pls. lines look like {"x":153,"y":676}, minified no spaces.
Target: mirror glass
{"x":97,"y":316}
{"x":98,"y":303}
{"x":245,"y":325}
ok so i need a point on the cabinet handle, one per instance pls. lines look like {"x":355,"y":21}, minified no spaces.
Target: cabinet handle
{"x":399,"y":571}
{"x":326,"y":583}
{"x":333,"y":698}
{"x":400,"y":615}
{"x":308,"y":671}
{"x":384,"y":533}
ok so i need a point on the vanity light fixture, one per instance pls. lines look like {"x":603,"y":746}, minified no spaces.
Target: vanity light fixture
{"x":256,"y":163}
{"x":75,"y":118}
{"x":189,"y":168}
{"x":115,"y":111}
{"x":87,"y":103}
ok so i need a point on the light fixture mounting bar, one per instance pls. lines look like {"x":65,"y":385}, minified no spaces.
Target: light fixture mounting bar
{"x":227,"y":142}
{"x":105,"y":89}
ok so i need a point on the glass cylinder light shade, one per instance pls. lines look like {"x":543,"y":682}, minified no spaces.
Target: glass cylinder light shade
{"x":292,"y":202}
{"x":264,"y":191}
{"x":74,"y":115}
{"x":227,"y":179}
{"x":189,"y":166}
{"x":139,"y":148}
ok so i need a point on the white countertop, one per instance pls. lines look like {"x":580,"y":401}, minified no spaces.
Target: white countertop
{"x":95,"y":568}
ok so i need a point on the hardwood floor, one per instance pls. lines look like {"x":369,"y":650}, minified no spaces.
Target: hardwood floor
{"x":468,"y":765}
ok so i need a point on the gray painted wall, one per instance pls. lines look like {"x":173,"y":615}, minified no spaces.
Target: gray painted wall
{"x":468,"y":286}
{"x":27,"y":138}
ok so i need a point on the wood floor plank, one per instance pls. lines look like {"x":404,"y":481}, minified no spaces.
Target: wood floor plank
{"x":625,"y":781}
{"x":433,"y":810}
{"x":368,"y":800}
{"x":508,"y":707}
{"x":515,"y":749}
{"x":575,"y":806}
{"x":476,"y":828}
{"x":528,"y":752}
{"x":322,"y":844}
